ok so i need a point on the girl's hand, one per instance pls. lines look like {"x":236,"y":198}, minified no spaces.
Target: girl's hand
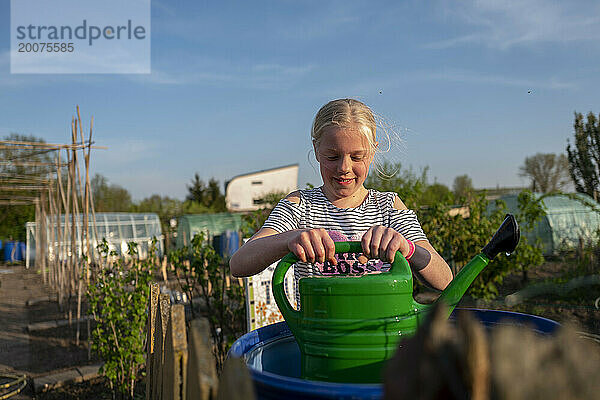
{"x":312,"y":245}
{"x":383,"y":243}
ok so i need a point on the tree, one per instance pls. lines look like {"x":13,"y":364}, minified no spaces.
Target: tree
{"x":109,"y":197}
{"x":165,"y":207}
{"x":413,"y":189}
{"x":437,"y":193}
{"x":462,"y":186}
{"x":584,"y":156}
{"x":253,"y":221}
{"x":405,"y":182}
{"x":547,"y":172}
{"x":209,"y":195}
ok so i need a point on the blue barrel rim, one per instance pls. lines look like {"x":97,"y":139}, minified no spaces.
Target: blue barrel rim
{"x":288,"y":384}
{"x":317,"y":389}
{"x":544,"y":326}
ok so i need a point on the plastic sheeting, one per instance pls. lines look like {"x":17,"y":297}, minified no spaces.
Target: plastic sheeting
{"x":567,"y":220}
{"x":117,"y":228}
{"x":212,"y":225}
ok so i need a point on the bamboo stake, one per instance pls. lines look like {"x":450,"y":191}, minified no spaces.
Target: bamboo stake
{"x":55,"y":236}
{"x":43,"y":233}
{"x":14,"y":143}
{"x":51,"y":277}
{"x":63,"y":234}
{"x":80,"y":192}
{"x":38,"y":243}
{"x":17,"y":188}
{"x":67,"y":221}
{"x":73,"y":197}
{"x":27,"y":163}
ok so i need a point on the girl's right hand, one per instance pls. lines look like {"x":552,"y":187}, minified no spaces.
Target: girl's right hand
{"x":312,"y":245}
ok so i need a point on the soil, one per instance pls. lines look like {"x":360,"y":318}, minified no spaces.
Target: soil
{"x":94,"y":389}
{"x":577,"y":308}
{"x":41,"y":352}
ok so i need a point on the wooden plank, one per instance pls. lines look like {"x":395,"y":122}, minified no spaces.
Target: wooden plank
{"x":151,"y":335}
{"x":162,"y":319}
{"x":236,"y":382}
{"x":175,"y":356}
{"x":202,"y":381}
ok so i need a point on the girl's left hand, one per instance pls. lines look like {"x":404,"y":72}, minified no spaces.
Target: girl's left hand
{"x":383,"y":243}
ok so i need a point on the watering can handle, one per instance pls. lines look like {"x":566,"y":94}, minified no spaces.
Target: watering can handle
{"x":399,"y":266}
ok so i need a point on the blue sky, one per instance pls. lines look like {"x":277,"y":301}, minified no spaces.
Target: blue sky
{"x":235,"y":85}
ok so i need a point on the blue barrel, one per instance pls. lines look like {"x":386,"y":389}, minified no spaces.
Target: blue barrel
{"x":10,"y":249}
{"x":22,"y":251}
{"x":227,"y":243}
{"x":273,"y":358}
{"x":231,"y":242}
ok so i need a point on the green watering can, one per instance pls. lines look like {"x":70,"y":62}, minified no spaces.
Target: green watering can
{"x":347,"y":327}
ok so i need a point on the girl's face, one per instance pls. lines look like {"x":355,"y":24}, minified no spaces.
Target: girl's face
{"x":344,"y":157}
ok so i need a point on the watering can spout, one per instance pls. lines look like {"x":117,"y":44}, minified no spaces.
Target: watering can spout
{"x":505,"y":240}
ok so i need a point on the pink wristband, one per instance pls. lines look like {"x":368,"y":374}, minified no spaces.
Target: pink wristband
{"x":411,"y":249}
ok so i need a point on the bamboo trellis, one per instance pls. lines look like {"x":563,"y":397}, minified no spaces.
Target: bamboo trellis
{"x":60,"y":194}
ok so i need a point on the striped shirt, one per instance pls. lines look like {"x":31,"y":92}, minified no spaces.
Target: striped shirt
{"x":314,"y":210}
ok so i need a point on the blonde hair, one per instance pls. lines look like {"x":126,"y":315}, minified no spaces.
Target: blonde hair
{"x":345,"y":113}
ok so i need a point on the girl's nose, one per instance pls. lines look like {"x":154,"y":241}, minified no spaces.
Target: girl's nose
{"x":345,"y":164}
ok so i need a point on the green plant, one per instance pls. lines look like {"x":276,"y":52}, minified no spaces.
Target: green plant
{"x":118,"y":297}
{"x":525,"y":256}
{"x":458,"y":238}
{"x":202,"y":274}
{"x":254,"y":220}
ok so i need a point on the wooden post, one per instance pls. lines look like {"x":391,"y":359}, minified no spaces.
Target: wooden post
{"x":162,"y":319}
{"x":202,"y":381}
{"x":175,"y":364}
{"x":151,"y":336}
{"x":37,"y":237}
{"x":236,"y":382}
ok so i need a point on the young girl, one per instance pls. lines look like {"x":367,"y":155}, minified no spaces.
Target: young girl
{"x":306,"y":222}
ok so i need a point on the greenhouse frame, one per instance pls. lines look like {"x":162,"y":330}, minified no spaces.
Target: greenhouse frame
{"x":569,"y":219}
{"x":117,"y":228}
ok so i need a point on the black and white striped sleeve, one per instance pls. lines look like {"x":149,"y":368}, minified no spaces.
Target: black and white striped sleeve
{"x":406,"y":222}
{"x":284,"y":217}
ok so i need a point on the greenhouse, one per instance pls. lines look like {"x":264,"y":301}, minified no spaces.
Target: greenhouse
{"x":117,"y":228}
{"x":568,"y":220}
{"x":212,"y":225}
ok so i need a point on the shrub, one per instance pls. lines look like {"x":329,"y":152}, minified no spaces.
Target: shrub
{"x":202,"y":274}
{"x":118,"y":296}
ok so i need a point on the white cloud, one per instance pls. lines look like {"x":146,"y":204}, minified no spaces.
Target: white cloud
{"x":509,"y":23}
{"x":258,"y":76}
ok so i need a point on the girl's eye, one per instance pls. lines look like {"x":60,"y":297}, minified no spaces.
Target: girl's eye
{"x":357,"y":158}
{"x":332,"y":158}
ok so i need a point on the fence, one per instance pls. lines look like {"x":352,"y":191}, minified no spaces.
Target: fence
{"x":180,"y":364}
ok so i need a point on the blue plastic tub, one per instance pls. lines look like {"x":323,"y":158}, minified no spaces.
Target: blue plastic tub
{"x":11,"y":251}
{"x":274,"y":359}
{"x":22,"y":251}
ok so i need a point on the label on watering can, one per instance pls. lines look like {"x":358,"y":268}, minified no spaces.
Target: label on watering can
{"x":350,"y":263}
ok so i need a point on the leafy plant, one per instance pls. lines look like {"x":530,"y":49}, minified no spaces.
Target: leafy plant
{"x":458,"y":238}
{"x":254,"y":220}
{"x":202,"y":274}
{"x":525,"y":256}
{"x":118,"y":298}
